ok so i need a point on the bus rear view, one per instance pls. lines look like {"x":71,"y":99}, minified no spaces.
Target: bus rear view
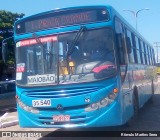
{"x":67,"y":69}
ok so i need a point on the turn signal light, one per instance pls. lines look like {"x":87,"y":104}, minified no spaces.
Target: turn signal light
{"x":16,"y":97}
{"x":115,"y":90}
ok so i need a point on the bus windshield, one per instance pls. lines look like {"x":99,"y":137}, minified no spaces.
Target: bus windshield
{"x":92,"y":58}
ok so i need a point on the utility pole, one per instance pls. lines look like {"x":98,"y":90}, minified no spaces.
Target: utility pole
{"x":156,"y":43}
{"x":135,"y":13}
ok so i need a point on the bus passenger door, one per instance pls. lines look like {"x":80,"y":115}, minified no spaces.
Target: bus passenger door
{"x":124,"y":74}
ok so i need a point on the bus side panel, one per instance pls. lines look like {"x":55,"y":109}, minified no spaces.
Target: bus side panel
{"x":127,"y":93}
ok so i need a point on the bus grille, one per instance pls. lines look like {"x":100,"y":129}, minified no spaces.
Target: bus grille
{"x":61,"y":92}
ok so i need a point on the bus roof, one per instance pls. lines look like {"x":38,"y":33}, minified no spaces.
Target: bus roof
{"x":111,"y":10}
{"x":63,"y":9}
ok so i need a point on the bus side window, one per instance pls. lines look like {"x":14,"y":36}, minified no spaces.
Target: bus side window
{"x":129,"y":44}
{"x":149,"y":55}
{"x":137,"y":49}
{"x":145,"y":52}
{"x":153,"y":57}
{"x":134,"y":48}
{"x":120,"y":43}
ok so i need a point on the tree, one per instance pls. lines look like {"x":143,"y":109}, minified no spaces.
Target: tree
{"x":7,"y":20}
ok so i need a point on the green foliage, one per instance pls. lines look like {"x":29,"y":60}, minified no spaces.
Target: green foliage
{"x":7,"y":19}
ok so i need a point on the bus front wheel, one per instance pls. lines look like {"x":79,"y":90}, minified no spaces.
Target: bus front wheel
{"x":135,"y":109}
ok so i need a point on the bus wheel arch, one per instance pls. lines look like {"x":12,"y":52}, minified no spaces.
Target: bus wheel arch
{"x":135,"y":101}
{"x":135,"y":104}
{"x":153,"y":91}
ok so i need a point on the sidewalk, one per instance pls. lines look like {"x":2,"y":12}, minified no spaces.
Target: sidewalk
{"x":8,"y":118}
{"x":16,"y":127}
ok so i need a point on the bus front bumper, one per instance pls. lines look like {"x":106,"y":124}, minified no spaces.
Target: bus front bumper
{"x":108,"y":116}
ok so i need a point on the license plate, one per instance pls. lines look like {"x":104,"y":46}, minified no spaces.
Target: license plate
{"x":61,"y":118}
{"x":40,"y":103}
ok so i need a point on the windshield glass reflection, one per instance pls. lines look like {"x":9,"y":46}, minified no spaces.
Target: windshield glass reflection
{"x":91,"y":59}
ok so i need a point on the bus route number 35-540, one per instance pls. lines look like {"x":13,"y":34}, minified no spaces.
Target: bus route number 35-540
{"x":39,"y":103}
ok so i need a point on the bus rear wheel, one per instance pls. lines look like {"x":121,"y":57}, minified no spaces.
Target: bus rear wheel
{"x":135,"y":105}
{"x":135,"y":109}
{"x":152,"y":90}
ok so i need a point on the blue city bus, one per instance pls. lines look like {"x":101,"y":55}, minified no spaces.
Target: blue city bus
{"x":81,"y":67}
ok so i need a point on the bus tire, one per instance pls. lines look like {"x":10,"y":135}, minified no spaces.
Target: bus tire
{"x":151,"y":99}
{"x":135,"y":103}
{"x":135,"y":109}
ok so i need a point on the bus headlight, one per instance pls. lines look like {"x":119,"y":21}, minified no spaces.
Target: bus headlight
{"x":102,"y":103}
{"x":27,"y":108}
{"x":95,"y":106}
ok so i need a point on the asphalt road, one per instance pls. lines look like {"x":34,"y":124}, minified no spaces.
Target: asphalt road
{"x":148,"y":120}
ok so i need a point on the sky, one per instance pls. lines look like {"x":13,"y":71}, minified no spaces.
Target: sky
{"x":148,"y":21}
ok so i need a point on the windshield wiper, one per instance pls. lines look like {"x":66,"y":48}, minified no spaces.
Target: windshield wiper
{"x":42,"y":50}
{"x":75,"y":40}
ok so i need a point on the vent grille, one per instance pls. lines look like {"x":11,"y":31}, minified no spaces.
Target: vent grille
{"x":61,"y":92}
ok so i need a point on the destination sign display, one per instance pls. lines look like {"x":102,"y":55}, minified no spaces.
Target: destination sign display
{"x":61,"y":19}
{"x":57,"y":21}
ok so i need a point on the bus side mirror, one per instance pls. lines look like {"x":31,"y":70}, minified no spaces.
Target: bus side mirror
{"x":128,"y":43}
{"x":4,"y":52}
